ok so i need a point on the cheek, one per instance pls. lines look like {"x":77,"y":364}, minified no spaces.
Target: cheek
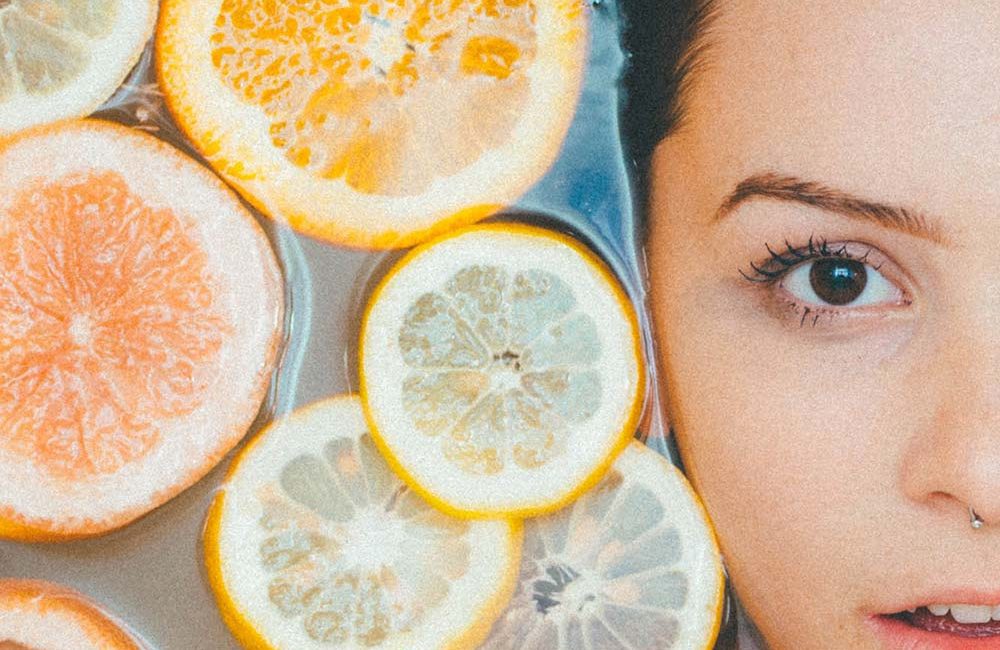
{"x":793,"y":448}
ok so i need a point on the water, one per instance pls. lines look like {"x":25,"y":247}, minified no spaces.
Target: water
{"x":150,"y":572}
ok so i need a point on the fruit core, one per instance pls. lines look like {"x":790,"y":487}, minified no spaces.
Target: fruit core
{"x":353,"y":559}
{"x":502,"y":364}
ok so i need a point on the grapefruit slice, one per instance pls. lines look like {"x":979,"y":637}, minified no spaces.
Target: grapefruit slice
{"x":632,"y":564}
{"x":314,"y":543}
{"x":36,"y":615}
{"x":63,"y":58}
{"x":501,"y":370}
{"x":140,"y":315}
{"x":375,"y":123}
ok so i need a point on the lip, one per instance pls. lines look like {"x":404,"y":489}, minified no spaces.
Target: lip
{"x":894,"y":634}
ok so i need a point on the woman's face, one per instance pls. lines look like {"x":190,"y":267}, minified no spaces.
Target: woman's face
{"x":837,"y":402}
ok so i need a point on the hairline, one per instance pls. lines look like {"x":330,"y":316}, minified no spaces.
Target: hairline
{"x":693,"y":59}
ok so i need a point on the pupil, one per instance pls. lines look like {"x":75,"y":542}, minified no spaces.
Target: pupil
{"x":838,"y":281}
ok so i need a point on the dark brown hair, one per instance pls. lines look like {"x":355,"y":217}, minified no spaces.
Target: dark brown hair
{"x":665,"y":41}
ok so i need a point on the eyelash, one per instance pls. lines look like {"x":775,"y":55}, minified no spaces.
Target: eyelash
{"x":780,"y":263}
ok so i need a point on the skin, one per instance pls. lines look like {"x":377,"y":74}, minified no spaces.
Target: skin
{"x":838,"y":456}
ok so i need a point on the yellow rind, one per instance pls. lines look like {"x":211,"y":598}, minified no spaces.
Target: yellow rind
{"x":10,"y":529}
{"x":384,"y":239}
{"x":232,"y":615}
{"x":239,"y":623}
{"x":623,"y":437}
{"x":488,"y":614}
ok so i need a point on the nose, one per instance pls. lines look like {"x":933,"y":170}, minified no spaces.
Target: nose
{"x":953,"y":463}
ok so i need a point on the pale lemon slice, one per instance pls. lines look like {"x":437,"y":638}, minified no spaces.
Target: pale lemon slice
{"x":501,"y":370}
{"x":37,"y":615}
{"x":631,"y":565}
{"x":375,"y":123}
{"x":63,"y":58}
{"x":314,"y":543}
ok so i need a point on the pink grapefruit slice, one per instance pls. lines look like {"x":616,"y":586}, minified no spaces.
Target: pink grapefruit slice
{"x":37,"y":615}
{"x":140,"y":316}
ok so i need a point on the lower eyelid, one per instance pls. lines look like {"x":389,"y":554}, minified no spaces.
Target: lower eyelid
{"x":797,"y":315}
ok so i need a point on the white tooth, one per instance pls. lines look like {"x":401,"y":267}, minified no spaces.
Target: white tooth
{"x":971,"y":613}
{"x":938,"y":610}
{"x":996,"y":613}
{"x":912,"y":610}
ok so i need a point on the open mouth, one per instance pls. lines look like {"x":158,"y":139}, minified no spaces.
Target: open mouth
{"x":962,"y":620}
{"x":943,"y":627}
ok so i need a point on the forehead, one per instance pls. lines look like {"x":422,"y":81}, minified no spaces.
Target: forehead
{"x":867,"y":95}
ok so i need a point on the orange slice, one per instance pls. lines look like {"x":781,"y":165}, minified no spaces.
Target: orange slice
{"x":313,"y":542}
{"x":140,"y":314}
{"x":501,"y":370}
{"x":36,"y":615}
{"x":63,"y":58}
{"x":375,"y":123}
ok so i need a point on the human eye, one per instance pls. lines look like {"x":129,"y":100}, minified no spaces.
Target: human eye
{"x":820,"y":281}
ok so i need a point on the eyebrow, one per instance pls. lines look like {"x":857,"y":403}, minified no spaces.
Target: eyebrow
{"x":780,"y":187}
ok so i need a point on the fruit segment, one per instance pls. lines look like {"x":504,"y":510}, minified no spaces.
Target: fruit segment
{"x":381,"y":94}
{"x":139,"y":326}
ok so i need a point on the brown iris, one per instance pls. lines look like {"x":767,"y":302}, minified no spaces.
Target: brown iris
{"x":838,"y":281}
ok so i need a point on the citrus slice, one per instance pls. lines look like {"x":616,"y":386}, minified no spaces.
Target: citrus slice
{"x":501,"y":370}
{"x":63,"y":58}
{"x":375,"y":123}
{"x":140,"y":316}
{"x":36,"y":615}
{"x":632,"y":564}
{"x":313,"y":542}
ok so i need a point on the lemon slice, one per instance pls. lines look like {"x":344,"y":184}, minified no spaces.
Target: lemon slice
{"x":375,"y":123}
{"x":631,"y":565}
{"x":63,"y":58}
{"x":314,"y":543}
{"x":501,"y":370}
{"x":41,"y":615}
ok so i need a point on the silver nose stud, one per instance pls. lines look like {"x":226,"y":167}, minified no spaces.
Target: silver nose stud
{"x":975,"y":520}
